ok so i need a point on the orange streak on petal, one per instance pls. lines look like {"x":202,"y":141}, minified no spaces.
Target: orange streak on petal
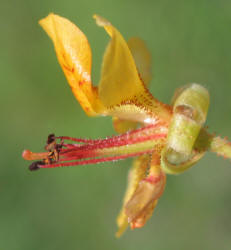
{"x":74,"y":55}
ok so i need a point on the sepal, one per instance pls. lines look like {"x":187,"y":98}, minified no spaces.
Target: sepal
{"x":189,"y":114}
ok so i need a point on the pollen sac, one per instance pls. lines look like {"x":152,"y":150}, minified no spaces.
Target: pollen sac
{"x":35,"y":165}
{"x":190,"y":109}
{"x":50,"y":138}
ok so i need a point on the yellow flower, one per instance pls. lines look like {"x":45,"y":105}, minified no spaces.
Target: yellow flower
{"x":165,"y":139}
{"x":121,"y":93}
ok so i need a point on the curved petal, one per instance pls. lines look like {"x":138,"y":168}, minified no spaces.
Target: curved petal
{"x":144,"y":216}
{"x":121,"y":90}
{"x":143,"y":201}
{"x":135,"y":175}
{"x":74,"y":55}
{"x":142,"y":58}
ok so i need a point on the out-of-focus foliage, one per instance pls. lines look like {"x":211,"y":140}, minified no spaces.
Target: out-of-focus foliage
{"x":75,"y":208}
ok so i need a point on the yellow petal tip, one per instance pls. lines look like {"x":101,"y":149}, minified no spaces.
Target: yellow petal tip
{"x":101,"y":21}
{"x":121,"y":230}
{"x":48,"y":16}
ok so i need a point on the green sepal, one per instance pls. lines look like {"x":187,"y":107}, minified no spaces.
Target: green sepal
{"x":189,"y":114}
{"x":169,"y":168}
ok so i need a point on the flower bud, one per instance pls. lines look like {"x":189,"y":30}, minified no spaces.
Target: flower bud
{"x":189,"y":114}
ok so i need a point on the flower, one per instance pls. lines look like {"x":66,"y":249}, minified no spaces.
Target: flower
{"x":164,"y":138}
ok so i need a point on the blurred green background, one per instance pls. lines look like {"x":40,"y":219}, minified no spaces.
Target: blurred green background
{"x":75,"y":208}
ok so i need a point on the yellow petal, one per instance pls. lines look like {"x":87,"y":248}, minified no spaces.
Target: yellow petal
{"x":142,"y":203}
{"x":122,"y":126}
{"x":74,"y":56}
{"x":135,"y":175}
{"x":144,"y":216}
{"x":142,"y":58}
{"x":121,"y":90}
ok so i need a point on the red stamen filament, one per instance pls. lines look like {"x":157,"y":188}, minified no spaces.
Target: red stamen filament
{"x":124,"y":136}
{"x":95,"y":160}
{"x":86,"y":150}
{"x":99,"y":150}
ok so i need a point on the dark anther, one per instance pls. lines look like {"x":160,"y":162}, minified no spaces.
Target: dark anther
{"x":35,"y":165}
{"x":53,"y":148}
{"x":51,"y":143}
{"x":50,"y":138}
{"x":58,"y":147}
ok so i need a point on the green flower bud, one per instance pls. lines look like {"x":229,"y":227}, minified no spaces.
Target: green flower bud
{"x":189,"y":114}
